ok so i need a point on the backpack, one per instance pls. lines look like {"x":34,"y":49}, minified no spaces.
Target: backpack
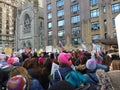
{"x":75,"y":78}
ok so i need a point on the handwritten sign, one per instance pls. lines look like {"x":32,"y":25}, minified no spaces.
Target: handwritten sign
{"x":117,"y":25}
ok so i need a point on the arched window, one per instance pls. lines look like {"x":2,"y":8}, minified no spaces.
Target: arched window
{"x":28,"y":44}
{"x":24,"y":44}
{"x":27,"y":23}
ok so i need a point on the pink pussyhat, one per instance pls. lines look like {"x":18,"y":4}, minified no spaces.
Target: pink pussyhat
{"x":64,"y":57}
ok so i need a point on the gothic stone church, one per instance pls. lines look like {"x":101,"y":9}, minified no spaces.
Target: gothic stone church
{"x":29,"y":28}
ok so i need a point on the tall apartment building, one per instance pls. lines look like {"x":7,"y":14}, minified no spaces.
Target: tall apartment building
{"x":7,"y":23}
{"x":77,"y":21}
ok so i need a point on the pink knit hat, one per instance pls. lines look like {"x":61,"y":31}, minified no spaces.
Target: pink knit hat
{"x":12,"y":60}
{"x":41,"y":60}
{"x":64,"y":57}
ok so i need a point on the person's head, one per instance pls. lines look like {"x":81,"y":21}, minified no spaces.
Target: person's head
{"x":19,"y":70}
{"x":30,"y":63}
{"x":35,"y":54}
{"x":12,"y":60}
{"x":20,"y":77}
{"x":2,"y":57}
{"x":17,"y":82}
{"x":115,"y":65}
{"x":109,"y":80}
{"x":107,"y":60}
{"x":115,"y":78}
{"x":91,"y":64}
{"x":64,"y":58}
{"x":83,"y":59}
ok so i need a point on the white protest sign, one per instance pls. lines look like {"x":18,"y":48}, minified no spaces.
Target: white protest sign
{"x":54,"y":68}
{"x":117,"y":24}
{"x":49,"y":48}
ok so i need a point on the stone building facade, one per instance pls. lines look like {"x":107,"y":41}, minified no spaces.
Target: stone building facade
{"x":29,"y":28}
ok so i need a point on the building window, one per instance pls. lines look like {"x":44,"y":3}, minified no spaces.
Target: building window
{"x":94,"y":13}
{"x":41,"y":25}
{"x":7,"y":32}
{"x":49,"y":24}
{"x":116,"y":8}
{"x":49,"y":6}
{"x":49,"y":15}
{"x":61,"y":33}
{"x":104,"y":9}
{"x":7,"y":38}
{"x":10,"y":32}
{"x":105,"y":23}
{"x":0,"y":30}
{"x":93,"y":2}
{"x":50,"y":33}
{"x":0,"y":43}
{"x":6,"y":45}
{"x":114,"y":34}
{"x":73,"y":0}
{"x":75,"y":8}
{"x":95,"y":25}
{"x":75,"y":19}
{"x":60,"y":13}
{"x":50,"y":42}
{"x":76,"y":30}
{"x":7,"y":26}
{"x":7,"y":21}
{"x":60,"y":23}
{"x":0,"y":10}
{"x":105,"y":35}
{"x":113,"y":21}
{"x":60,"y":3}
{"x":27,"y":23}
{"x":0,"y":38}
{"x":76,"y":41}
{"x":0,"y":25}
{"x":96,"y":37}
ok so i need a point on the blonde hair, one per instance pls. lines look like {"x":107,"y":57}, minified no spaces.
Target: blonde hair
{"x":19,"y":70}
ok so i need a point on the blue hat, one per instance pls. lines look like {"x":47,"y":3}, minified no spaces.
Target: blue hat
{"x":91,"y":64}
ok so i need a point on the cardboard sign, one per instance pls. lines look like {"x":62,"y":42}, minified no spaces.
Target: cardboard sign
{"x":8,"y":51}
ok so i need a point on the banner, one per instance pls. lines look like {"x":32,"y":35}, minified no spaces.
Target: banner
{"x":117,"y":25}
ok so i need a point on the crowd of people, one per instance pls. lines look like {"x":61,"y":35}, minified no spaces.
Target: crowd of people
{"x":76,"y":70}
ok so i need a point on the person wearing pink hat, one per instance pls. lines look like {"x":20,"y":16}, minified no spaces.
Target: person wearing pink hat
{"x":66,"y":72}
{"x":64,"y":58}
{"x":64,"y":67}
